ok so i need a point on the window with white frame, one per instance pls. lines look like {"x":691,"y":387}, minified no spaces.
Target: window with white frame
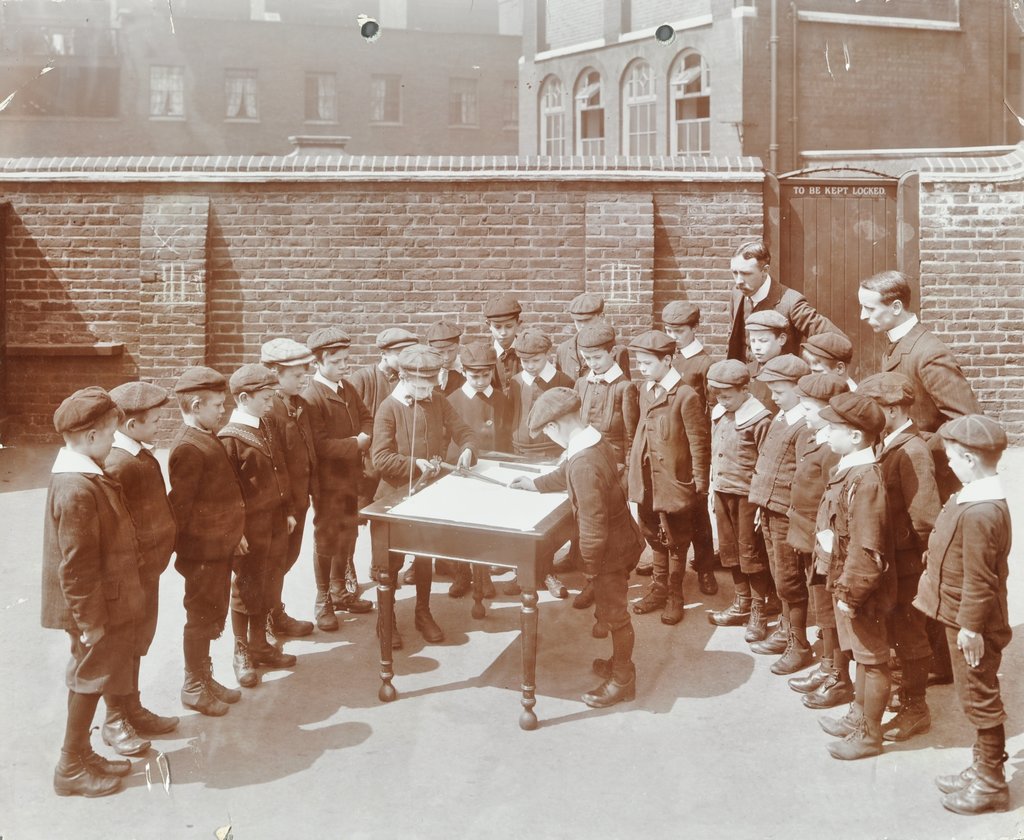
{"x":321,"y":97}
{"x":690,"y":84}
{"x":462,"y":103}
{"x":166,"y":91}
{"x":639,"y":103}
{"x":589,"y":114}
{"x":552,"y":117}
{"x":240,"y":94}
{"x":386,"y":99}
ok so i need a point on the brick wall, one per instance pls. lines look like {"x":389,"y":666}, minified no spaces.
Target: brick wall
{"x":568,"y":22}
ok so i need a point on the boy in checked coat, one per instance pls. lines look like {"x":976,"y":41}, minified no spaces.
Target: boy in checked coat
{"x":90,"y":586}
{"x":964,"y":587}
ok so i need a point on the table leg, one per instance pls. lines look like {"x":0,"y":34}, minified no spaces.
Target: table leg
{"x":528,"y":638}
{"x":479,"y":611}
{"x":386,"y":618}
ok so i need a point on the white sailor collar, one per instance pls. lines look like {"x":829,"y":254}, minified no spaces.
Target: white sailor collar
{"x":609,"y":376}
{"x":856,"y":459}
{"x":129,"y":445}
{"x":471,"y":392}
{"x":583,"y":439}
{"x":794,"y":415}
{"x":691,"y":349}
{"x":668,"y":381}
{"x":749,"y":410}
{"x":69,"y":461}
{"x":547,"y":374}
{"x":244,"y":418}
{"x":988,"y":489}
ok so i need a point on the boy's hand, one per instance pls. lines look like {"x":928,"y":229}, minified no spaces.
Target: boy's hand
{"x":243,"y":546}
{"x":292,"y":522}
{"x":362,"y":441}
{"x":465,"y":459}
{"x":523,"y":482}
{"x":426,"y":467}
{"x":846,"y":609}
{"x":91,"y":637}
{"x":972,"y":645}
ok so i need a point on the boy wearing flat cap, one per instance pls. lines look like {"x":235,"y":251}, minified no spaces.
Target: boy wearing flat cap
{"x":443,"y":337}
{"x":854,"y":551}
{"x":912,"y":497}
{"x":609,"y":540}
{"x":132,"y":464}
{"x":414,"y":425}
{"x":340,"y":423}
{"x":766,"y":335}
{"x":770,"y":490}
{"x":964,"y":587}
{"x":668,"y":470}
{"x":289,"y":421}
{"x":829,"y":684}
{"x":538,"y":374}
{"x":258,"y":458}
{"x":741,"y":423}
{"x":829,"y":352}
{"x":90,"y":584}
{"x":209,"y":508}
{"x":585,"y":310}
{"x":502,"y":314}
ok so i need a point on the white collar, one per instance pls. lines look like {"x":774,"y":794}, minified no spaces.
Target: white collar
{"x":896,"y":333}
{"x":856,"y":459}
{"x":547,"y":374}
{"x":69,"y":461}
{"x":583,"y":439}
{"x":988,"y":489}
{"x":442,"y":378}
{"x":323,"y":380}
{"x":889,"y":438}
{"x":794,"y":415}
{"x":499,"y":349}
{"x":244,"y":418}
{"x":129,"y":445}
{"x":762,"y":293}
{"x":749,"y":410}
{"x":668,"y":381}
{"x":609,"y":376}
{"x":851,"y":384}
{"x":691,"y":349}
{"x":471,"y":392}
{"x":821,"y":436}
{"x":400,"y":393}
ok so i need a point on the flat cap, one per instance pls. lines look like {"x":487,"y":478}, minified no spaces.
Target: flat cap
{"x":767,"y":319}
{"x":328,"y":338}
{"x":200,"y":378}
{"x":728,"y":373}
{"x":888,"y":388}
{"x":552,"y":404}
{"x":975,"y":431}
{"x":856,"y":410}
{"x":833,"y":346}
{"x":250,"y":378}
{"x":680,"y":313}
{"x":286,"y":352}
{"x":654,"y":341}
{"x":593,"y":336}
{"x":586,"y":304}
{"x":136,"y":397}
{"x":530,"y":342}
{"x":443,"y":332}
{"x":478,"y":354}
{"x":785,"y":368}
{"x":420,"y":359}
{"x":502,"y":306}
{"x":82,"y":409}
{"x":394,"y":338}
{"x":822,"y":386}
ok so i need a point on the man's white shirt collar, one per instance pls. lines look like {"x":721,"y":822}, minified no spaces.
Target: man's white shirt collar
{"x":471,"y":392}
{"x":69,"y":461}
{"x":691,"y":349}
{"x":856,"y":459}
{"x":323,"y":380}
{"x":244,"y":418}
{"x":667,"y":382}
{"x":129,"y":445}
{"x":896,"y":333}
{"x":988,"y":489}
{"x":761,"y":293}
{"x":547,"y":374}
{"x":583,"y":439}
{"x":889,"y":438}
{"x":609,"y":376}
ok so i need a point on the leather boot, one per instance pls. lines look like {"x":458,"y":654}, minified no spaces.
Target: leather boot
{"x":674,"y":611}
{"x":75,"y":777}
{"x":836,"y":690}
{"x":603,"y":668}
{"x":735,"y":615}
{"x":117,"y":731}
{"x":429,"y":629}
{"x":776,"y":643}
{"x":396,"y":637}
{"x":809,"y":682}
{"x":840,"y":727}
{"x":423,"y":620}
{"x":913,"y":718}
{"x":585,"y":599}
{"x":196,"y":695}
{"x":864,"y":741}
{"x":707,"y":581}
{"x":797,"y":656}
{"x":120,"y":767}
{"x":350,"y":602}
{"x":268,"y":656}
{"x":221,"y":692}
{"x":463,"y":581}
{"x":323,"y":610}
{"x":952,"y":783}
{"x":556,"y":588}
{"x":147,"y":722}
{"x":987,"y":791}
{"x":757,"y":624}
{"x":281,"y":625}
{"x":609,"y":693}
{"x":245,"y":671}
{"x":655,"y":599}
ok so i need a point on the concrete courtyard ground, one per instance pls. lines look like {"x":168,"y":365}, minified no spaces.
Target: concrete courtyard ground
{"x":714,"y":746}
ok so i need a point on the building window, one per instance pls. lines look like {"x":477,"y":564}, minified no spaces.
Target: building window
{"x":166,"y":91}
{"x":462,"y":102}
{"x":639,"y":102}
{"x":691,"y":105}
{"x":240,"y":91}
{"x":589,"y":114}
{"x":321,"y":97}
{"x":510,"y":104}
{"x":552,"y":117}
{"x":386,"y":99}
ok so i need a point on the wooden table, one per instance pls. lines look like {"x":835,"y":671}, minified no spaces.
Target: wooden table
{"x":504,"y":542}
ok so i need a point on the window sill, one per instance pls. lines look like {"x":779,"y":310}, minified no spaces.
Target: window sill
{"x":167,"y":118}
{"x":321,"y":122}
{"x":241,"y":119}
{"x":470,"y":127}
{"x":387,"y":124}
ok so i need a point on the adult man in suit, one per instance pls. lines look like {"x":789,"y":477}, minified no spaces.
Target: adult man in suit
{"x":755,"y":290}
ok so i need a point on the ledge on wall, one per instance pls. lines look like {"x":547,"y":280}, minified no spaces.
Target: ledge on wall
{"x":99,"y":348}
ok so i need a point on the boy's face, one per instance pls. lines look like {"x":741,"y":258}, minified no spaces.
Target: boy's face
{"x":333,"y":364}
{"x":844,"y":439}
{"x":389,"y":359}
{"x":258,"y":403}
{"x":812,"y":409}
{"x":747,"y":275}
{"x":503,"y":330}
{"x":208,"y":411}
{"x":765,"y":344}
{"x":684,"y":336}
{"x":479,"y":378}
{"x":964,"y":464}
{"x":97,"y":443}
{"x":730,"y":398}
{"x":784,"y":394}
{"x":598,"y":359}
{"x":881,"y":317}
{"x":653,"y":367}
{"x":145,"y":426}
{"x":533,"y":363}
{"x":419,"y":386}
{"x":580,"y":321}
{"x":820,"y":364}
{"x":291,"y":379}
{"x":448,"y":353}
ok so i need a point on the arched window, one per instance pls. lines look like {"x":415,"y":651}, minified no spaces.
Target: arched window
{"x":690,"y":83}
{"x":589,"y":114}
{"x":552,"y":117}
{"x":639,"y":101}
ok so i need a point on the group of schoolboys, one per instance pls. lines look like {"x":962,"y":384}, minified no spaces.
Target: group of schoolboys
{"x":824,"y":496}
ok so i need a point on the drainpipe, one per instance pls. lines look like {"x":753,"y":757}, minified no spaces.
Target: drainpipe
{"x":773,"y":75}
{"x":796,"y":88}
